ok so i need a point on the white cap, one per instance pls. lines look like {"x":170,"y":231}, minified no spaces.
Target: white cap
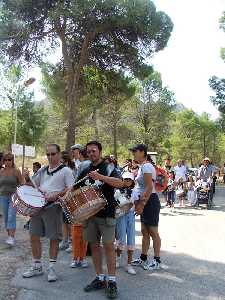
{"x":128,"y":175}
{"x":77,"y":146}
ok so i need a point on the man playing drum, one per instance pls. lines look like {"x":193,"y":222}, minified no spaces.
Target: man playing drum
{"x":102,"y":225}
{"x":53,"y":180}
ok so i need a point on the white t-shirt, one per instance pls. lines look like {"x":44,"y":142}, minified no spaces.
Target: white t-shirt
{"x":180,"y":172}
{"x":56,"y":182}
{"x":146,"y":168}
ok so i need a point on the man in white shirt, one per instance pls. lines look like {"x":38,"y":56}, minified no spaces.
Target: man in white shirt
{"x":53,"y":181}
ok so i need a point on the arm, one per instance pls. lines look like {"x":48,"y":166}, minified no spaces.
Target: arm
{"x":139,"y":205}
{"x":112,"y":181}
{"x":19,"y":177}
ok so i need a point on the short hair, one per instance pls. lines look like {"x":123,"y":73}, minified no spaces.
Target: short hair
{"x":37,"y":164}
{"x":99,"y":145}
{"x":54,"y":145}
{"x":9,"y":155}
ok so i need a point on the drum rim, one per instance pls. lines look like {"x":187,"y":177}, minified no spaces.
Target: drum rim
{"x":27,"y":205}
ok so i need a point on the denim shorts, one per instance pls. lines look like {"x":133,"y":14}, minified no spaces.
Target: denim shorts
{"x":9,"y":212}
{"x":125,"y":231}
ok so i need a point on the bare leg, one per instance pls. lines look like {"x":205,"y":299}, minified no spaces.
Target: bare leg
{"x":145,"y":239}
{"x":110,"y":258}
{"x":129,"y":256}
{"x":53,"y":249}
{"x":156,"y":240}
{"x":97,"y":257}
{"x":36,"y":246}
{"x":11,"y":232}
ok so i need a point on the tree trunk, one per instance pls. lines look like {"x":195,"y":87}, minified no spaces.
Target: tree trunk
{"x":115,"y":140}
{"x":204,"y":143}
{"x":95,"y":124}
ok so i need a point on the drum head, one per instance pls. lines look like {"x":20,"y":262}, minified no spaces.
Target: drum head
{"x":31,"y":196}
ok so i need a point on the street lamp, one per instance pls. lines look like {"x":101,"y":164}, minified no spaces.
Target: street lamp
{"x":26,"y":84}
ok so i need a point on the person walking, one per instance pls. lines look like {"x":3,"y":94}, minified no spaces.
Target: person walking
{"x":10,"y":178}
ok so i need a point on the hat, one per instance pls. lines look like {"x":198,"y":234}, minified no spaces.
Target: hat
{"x":140,"y":147}
{"x":77,"y":146}
{"x":206,"y":159}
{"x":128,"y":175}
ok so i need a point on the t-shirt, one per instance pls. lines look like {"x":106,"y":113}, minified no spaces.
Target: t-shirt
{"x":49,"y":181}
{"x":146,"y":168}
{"x":180,"y":172}
{"x":107,"y":190}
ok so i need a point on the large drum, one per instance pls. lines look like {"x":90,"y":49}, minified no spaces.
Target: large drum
{"x":28,"y":200}
{"x":81,"y":204}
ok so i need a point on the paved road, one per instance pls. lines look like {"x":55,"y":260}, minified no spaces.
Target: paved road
{"x":193,"y":248}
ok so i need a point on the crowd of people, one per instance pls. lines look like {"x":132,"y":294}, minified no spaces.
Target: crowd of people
{"x":113,"y":227}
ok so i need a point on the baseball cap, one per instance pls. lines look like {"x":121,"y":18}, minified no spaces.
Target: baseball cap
{"x":128,"y":175}
{"x":206,"y":159}
{"x":77,"y":146}
{"x":140,"y":147}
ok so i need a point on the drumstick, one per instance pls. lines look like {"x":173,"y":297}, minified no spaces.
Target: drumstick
{"x":84,"y":178}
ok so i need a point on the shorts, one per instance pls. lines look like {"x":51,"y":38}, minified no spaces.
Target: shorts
{"x":96,"y":228}
{"x":150,"y":215}
{"x":47,"y":223}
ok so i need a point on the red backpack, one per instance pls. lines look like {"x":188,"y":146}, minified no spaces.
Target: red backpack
{"x":162,"y":179}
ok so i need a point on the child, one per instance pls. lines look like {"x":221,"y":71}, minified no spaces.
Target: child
{"x":125,"y":227}
{"x":171,"y":190}
{"x":180,"y":192}
{"x":79,"y":247}
{"x":191,"y":191}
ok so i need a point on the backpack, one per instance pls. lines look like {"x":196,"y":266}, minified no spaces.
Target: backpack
{"x":162,"y":179}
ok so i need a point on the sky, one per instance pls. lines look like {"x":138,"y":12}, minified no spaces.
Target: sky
{"x":192,"y":55}
{"x":193,"y":52}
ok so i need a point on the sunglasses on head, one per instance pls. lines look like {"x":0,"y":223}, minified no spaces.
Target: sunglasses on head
{"x":51,"y":154}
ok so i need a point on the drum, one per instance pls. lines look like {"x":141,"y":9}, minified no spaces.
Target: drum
{"x":81,"y":204}
{"x":28,"y":200}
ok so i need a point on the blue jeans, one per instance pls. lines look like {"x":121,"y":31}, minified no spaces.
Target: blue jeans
{"x":9,"y":212}
{"x":125,"y":231}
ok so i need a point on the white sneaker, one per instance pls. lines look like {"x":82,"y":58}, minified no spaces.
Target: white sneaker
{"x":10,"y":241}
{"x":63,"y":245}
{"x":84,"y":263}
{"x":118,"y":261}
{"x":51,"y":275}
{"x":69,"y":249}
{"x":130,"y":270}
{"x":152,"y":265}
{"x":138,"y":263}
{"x":73,"y":264}
{"x":35,"y":270}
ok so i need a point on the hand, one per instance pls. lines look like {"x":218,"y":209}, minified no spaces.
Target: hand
{"x":51,"y":197}
{"x":139,"y":207}
{"x":144,"y":197}
{"x":95,"y":175}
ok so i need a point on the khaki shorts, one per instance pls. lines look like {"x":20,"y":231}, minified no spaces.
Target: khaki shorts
{"x":96,"y":228}
{"x":48,"y":223}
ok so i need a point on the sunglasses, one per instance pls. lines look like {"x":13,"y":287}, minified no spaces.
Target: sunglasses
{"x":51,"y":154}
{"x":7,"y":159}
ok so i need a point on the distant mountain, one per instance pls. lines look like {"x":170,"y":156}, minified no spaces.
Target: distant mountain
{"x":179,"y":107}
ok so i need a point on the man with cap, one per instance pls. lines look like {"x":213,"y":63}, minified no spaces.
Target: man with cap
{"x":206,"y":172}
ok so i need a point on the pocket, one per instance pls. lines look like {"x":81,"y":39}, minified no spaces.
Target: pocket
{"x":110,"y":222}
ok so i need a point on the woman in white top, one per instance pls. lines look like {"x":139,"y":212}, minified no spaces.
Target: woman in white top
{"x":148,"y":206}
